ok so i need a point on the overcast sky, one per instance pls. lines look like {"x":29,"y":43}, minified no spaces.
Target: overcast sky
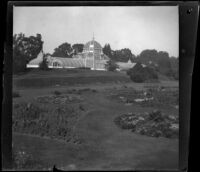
{"x":136,"y":28}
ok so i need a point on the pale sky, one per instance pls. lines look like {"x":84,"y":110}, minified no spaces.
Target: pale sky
{"x":136,"y":28}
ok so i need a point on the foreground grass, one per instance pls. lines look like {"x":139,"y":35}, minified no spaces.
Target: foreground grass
{"x":24,"y":160}
{"x":105,"y":146}
{"x":61,"y":81}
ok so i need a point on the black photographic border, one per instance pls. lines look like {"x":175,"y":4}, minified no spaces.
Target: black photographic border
{"x":188,"y":22}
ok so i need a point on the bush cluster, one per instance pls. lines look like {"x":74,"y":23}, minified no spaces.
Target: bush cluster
{"x":111,"y":65}
{"x":160,"y":98}
{"x":141,"y":74}
{"x":154,"y":124}
{"x":44,"y":65}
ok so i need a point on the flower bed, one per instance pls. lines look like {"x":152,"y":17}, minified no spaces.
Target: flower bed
{"x":39,"y":120}
{"x":154,"y":124}
{"x":148,"y":98}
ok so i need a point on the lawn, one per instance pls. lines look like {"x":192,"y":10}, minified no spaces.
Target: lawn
{"x":73,"y":126}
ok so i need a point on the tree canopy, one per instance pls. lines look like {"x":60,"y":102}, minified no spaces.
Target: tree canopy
{"x":107,"y":50}
{"x":63,"y":50}
{"x":78,"y":48}
{"x":160,"y":60}
{"x":122,"y":55}
{"x":24,"y":50}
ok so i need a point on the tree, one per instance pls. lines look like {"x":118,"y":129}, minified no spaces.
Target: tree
{"x":123,"y":55}
{"x":63,"y":50}
{"x":159,"y":60}
{"x":148,"y":55}
{"x":111,"y":65}
{"x":44,"y":64}
{"x":107,"y":50}
{"x":24,"y":50}
{"x":78,"y":48}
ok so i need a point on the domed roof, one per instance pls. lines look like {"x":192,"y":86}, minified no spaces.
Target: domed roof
{"x":94,"y":44}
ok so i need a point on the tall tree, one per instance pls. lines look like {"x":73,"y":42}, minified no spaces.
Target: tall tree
{"x":63,"y":50}
{"x":24,"y":50}
{"x":107,"y":50}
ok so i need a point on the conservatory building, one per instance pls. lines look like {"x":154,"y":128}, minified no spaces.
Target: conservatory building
{"x":91,"y":57}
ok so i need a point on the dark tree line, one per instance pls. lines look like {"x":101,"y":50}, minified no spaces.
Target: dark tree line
{"x":160,"y":61}
{"x":156,"y":60}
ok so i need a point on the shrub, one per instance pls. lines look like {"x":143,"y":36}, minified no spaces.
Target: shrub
{"x":137,"y":78}
{"x":111,"y":65}
{"x":141,"y":74}
{"x":156,"y":116}
{"x":44,"y":64}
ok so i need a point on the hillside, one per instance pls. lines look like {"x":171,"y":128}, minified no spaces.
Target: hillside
{"x":67,"y":77}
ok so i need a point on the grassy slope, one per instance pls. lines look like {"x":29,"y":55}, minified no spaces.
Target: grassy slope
{"x":38,"y":79}
{"x":107,"y":146}
{"x":77,"y":77}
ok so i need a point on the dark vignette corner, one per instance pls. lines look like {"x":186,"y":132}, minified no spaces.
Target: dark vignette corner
{"x":6,"y":137}
{"x":188,"y":18}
